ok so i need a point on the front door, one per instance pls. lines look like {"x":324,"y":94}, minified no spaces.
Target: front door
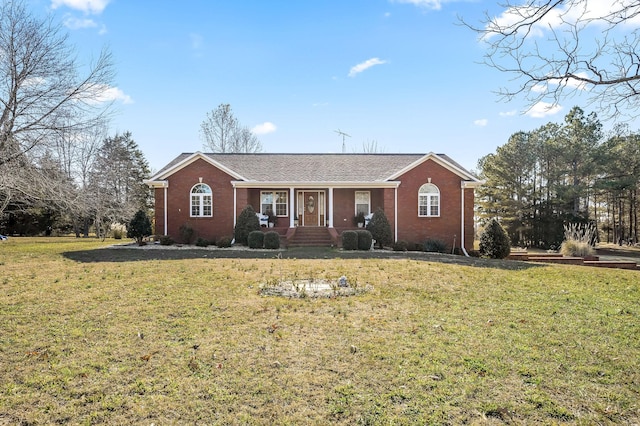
{"x":311,"y":208}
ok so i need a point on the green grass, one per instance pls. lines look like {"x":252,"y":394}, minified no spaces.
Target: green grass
{"x":190,"y":340}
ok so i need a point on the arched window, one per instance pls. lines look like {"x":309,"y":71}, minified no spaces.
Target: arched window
{"x":428,"y":200}
{"x":201,"y":201}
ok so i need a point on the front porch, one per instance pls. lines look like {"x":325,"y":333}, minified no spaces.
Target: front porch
{"x":332,"y":208}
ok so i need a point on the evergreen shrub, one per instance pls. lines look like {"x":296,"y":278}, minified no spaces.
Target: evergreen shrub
{"x":349,"y":240}
{"x":139,"y":227}
{"x":224,"y":242}
{"x":380,"y":228}
{"x":255,"y":240}
{"x":494,"y":241}
{"x":247,"y":222}
{"x":433,"y":245}
{"x":364,"y":239}
{"x":272,"y":240}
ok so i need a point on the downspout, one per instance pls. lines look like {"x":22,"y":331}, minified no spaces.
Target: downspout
{"x":235,"y":208}
{"x":462,"y":219}
{"x":395,"y":213}
{"x":235,"y":202}
{"x":166,"y":217}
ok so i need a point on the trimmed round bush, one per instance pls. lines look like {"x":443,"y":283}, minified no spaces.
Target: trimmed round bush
{"x":247,"y":222}
{"x":434,"y":246}
{"x":364,"y":239}
{"x":224,"y":242}
{"x":349,"y":240}
{"x":272,"y":240}
{"x":494,"y":241}
{"x":255,"y":240}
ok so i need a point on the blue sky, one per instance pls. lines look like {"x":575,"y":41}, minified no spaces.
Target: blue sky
{"x":402,"y":73}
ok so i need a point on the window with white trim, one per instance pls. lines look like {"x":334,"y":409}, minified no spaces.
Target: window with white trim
{"x":428,"y":200}
{"x":363,"y":202}
{"x":201,"y":201}
{"x":274,"y":202}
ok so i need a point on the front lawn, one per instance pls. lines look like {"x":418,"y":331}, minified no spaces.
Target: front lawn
{"x":91,"y":335}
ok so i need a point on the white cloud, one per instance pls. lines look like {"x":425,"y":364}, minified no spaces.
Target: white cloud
{"x":110,"y":94}
{"x":74,"y":23}
{"x":428,"y":4}
{"x":357,"y":69}
{"x":94,"y":7}
{"x":508,"y":113}
{"x":264,"y":128}
{"x":543,"y":109}
{"x":481,"y":122}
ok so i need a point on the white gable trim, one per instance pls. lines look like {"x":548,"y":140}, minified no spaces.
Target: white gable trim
{"x":437,"y":159}
{"x":191,"y":159}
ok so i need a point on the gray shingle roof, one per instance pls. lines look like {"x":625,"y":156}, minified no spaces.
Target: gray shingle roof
{"x":313,"y":167}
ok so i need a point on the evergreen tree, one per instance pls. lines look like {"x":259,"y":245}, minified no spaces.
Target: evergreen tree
{"x":494,"y":241}
{"x":247,"y":222}
{"x":139,"y":227}
{"x":380,"y":228}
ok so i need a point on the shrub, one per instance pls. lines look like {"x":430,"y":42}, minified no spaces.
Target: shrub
{"x":400,"y":245}
{"x":166,"y":240}
{"x":575,"y":248}
{"x":247,"y":222}
{"x":118,"y":230}
{"x":350,"y":240}
{"x":186,"y":233}
{"x":364,"y":239}
{"x":139,"y":227}
{"x":380,"y":228}
{"x":224,"y":242}
{"x":434,"y":246}
{"x":272,"y":240}
{"x":494,"y":241}
{"x":255,"y":240}
{"x":201,"y":242}
{"x":578,"y":240}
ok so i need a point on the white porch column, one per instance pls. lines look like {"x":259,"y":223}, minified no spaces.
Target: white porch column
{"x":292,"y":204}
{"x":330,"y":207}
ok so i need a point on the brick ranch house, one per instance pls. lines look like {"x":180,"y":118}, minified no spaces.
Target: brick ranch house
{"x":423,"y":195}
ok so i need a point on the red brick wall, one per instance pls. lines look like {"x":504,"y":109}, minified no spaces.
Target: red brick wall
{"x":411,"y":228}
{"x":446,"y":227}
{"x":179,"y":203}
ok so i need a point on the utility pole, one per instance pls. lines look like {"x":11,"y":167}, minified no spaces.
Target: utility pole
{"x":343,"y":134}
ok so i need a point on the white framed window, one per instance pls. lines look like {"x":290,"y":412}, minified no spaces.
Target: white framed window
{"x":201,"y":201}
{"x":363,"y":202}
{"x":274,"y":202}
{"x":428,"y":200}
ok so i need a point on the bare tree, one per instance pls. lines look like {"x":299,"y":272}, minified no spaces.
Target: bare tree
{"x":41,"y":96}
{"x":371,"y":147}
{"x":245,"y":141}
{"x":221,"y":132}
{"x":554,"y":49}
